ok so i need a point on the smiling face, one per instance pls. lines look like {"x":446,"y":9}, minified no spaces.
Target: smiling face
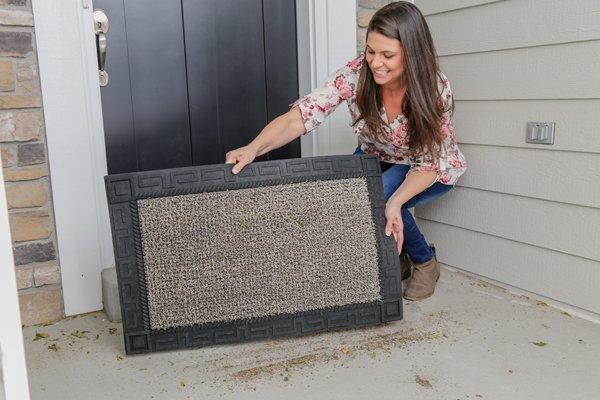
{"x":385,"y":57}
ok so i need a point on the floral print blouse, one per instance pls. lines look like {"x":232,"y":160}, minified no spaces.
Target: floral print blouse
{"x":342,"y":85}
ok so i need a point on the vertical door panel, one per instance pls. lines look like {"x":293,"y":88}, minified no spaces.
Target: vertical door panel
{"x":281,"y":65}
{"x":116,"y":97}
{"x":200,"y":41}
{"x":226,"y":75}
{"x":158,"y":83}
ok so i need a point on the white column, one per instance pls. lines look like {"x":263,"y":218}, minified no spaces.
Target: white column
{"x":12,"y":354}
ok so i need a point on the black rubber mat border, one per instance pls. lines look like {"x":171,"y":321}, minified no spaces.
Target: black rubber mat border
{"x":123,"y":192}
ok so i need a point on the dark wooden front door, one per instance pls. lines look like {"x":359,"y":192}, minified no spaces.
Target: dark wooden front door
{"x":190,"y":80}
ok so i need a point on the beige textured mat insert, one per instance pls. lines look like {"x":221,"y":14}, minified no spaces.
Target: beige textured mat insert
{"x":258,"y":252}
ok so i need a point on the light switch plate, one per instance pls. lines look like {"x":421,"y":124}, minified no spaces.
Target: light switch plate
{"x":540,"y":132}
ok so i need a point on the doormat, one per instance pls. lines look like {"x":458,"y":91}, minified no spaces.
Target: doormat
{"x":285,"y":248}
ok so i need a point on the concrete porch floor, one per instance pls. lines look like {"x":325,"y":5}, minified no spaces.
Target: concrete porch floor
{"x":472,"y":340}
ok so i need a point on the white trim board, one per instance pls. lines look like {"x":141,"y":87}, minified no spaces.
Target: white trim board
{"x":76,"y":151}
{"x":326,"y":42}
{"x":75,"y":135}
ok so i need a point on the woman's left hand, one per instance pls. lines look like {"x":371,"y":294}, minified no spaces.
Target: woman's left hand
{"x":394,"y":224}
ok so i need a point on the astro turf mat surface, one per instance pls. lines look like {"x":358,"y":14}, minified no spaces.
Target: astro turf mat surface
{"x":284,"y":248}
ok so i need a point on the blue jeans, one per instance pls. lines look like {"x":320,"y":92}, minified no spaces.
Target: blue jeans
{"x":414,"y":244}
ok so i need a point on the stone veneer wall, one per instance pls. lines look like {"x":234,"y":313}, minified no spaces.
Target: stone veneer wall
{"x":25,"y":167}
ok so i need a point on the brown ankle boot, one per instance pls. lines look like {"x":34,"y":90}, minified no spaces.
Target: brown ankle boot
{"x":424,"y":278}
{"x":405,"y":266}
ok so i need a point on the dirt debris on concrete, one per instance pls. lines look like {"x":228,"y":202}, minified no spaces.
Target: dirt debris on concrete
{"x":40,"y":335}
{"x":371,"y":346}
{"x":54,"y":347}
{"x":423,"y":382}
{"x":79,"y":334}
{"x":278,"y":367}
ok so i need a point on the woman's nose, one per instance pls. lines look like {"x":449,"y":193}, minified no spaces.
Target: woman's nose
{"x":377,"y":62}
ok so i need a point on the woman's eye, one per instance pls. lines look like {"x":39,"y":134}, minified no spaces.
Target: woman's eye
{"x":388,"y":57}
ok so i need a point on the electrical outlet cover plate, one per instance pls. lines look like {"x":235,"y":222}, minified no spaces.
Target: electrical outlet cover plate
{"x":540,"y":132}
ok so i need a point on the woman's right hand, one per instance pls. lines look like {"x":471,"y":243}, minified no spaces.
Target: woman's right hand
{"x":240,"y":157}
{"x":277,"y":133}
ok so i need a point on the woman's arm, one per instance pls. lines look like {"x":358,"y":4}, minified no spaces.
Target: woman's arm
{"x":414,"y":183}
{"x":306,"y":114}
{"x":277,"y":133}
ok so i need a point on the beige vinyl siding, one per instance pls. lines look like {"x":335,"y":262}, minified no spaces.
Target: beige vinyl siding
{"x":514,"y":24}
{"x":548,"y":224}
{"x":501,"y":122}
{"x":431,"y":7}
{"x":523,"y":214}
{"x":569,"y":279}
{"x":568,"y":71}
{"x":566,"y":177}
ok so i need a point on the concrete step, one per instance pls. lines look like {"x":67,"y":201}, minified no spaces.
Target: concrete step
{"x":110,"y":294}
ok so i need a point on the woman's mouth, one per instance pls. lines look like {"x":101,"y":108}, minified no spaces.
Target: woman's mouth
{"x":380,"y":73}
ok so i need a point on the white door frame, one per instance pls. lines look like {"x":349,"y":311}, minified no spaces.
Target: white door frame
{"x":75,"y":134}
{"x":76,"y":152}
{"x":326,"y":41}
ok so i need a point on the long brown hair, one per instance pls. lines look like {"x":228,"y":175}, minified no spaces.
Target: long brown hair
{"x":422,"y":107}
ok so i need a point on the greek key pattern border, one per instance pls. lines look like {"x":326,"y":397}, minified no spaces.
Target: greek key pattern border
{"x":123,"y":192}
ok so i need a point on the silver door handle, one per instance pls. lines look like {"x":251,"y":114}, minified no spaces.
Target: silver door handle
{"x":101,"y":46}
{"x":101,"y":27}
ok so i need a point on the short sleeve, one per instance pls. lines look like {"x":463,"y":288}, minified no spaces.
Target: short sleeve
{"x":423,"y":162}
{"x":339,"y":86}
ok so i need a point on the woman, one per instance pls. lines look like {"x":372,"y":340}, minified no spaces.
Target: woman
{"x":401,"y":106}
